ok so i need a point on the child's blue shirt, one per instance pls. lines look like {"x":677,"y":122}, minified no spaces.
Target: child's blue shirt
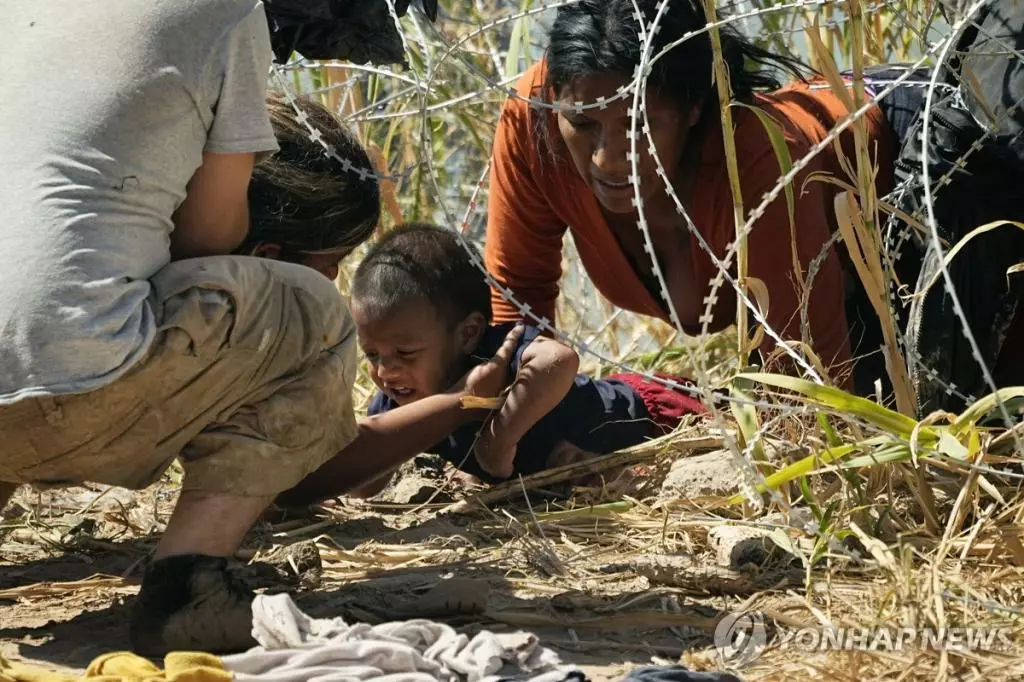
{"x":597,"y":415}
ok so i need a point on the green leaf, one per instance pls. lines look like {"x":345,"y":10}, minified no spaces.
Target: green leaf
{"x":781,"y":539}
{"x":799,"y":468}
{"x":520,"y":41}
{"x":808,"y":495}
{"x":982,"y":407}
{"x":898,"y":452}
{"x":888,"y":420}
{"x":746,"y":418}
{"x":951,"y":447}
{"x":782,"y":155}
{"x":831,"y":437}
{"x":826,"y":518}
{"x":653,"y":359}
{"x":973,"y":443}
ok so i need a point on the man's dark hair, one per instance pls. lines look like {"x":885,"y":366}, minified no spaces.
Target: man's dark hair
{"x":418,"y":260}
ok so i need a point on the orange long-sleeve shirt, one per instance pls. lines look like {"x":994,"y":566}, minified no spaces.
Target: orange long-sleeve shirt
{"x":534,"y":198}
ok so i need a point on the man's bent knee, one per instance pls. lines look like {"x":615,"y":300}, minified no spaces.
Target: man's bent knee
{"x":237,"y":342}
{"x":269,"y":445}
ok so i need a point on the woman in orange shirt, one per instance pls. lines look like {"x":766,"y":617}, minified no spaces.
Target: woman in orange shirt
{"x":569,"y":168}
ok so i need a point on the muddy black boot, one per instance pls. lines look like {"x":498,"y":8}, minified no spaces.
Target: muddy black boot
{"x":192,"y":602}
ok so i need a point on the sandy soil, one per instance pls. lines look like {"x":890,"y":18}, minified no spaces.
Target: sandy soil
{"x":72,"y":560}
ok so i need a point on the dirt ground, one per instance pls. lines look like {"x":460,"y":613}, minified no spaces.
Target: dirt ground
{"x":72,"y":560}
{"x":605,"y":573}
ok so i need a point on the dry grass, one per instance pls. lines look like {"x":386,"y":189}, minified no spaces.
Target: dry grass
{"x":578,"y":571}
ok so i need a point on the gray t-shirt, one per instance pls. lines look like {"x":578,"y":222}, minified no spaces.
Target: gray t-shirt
{"x":106,"y":110}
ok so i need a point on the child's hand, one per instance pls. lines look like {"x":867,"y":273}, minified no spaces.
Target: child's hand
{"x":490,"y":378}
{"x":487,"y":380}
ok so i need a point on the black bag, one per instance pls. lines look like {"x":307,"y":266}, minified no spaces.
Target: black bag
{"x":976,"y":171}
{"x":358,"y":31}
{"x":986,"y":189}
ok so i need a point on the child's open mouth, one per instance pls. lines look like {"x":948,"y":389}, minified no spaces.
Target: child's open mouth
{"x":400,"y":391}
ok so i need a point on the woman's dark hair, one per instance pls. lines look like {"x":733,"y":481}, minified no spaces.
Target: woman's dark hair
{"x":601,"y":36}
{"x":303,"y":199}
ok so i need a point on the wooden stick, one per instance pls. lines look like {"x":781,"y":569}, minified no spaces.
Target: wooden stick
{"x":388,"y":193}
{"x":637,"y":453}
{"x":472,"y":402}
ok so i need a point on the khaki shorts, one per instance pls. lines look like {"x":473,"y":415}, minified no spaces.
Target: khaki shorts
{"x":249,"y":380}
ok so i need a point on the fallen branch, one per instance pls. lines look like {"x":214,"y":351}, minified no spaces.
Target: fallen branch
{"x":683,"y":573}
{"x":633,"y":455}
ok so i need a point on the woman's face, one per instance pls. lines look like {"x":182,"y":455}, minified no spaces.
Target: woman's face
{"x":596,"y":139}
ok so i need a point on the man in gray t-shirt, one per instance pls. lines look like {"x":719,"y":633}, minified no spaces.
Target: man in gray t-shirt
{"x":130,"y":337}
{"x":98,"y":157}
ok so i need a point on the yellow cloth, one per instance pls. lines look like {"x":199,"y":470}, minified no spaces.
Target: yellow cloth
{"x":123,"y":666}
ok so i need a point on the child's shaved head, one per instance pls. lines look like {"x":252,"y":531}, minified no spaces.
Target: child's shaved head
{"x":418,"y":262}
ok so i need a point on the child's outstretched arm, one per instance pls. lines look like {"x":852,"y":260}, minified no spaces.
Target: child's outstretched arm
{"x":547,"y":371}
{"x":386,"y":440}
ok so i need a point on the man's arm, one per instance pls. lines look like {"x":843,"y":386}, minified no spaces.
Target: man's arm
{"x":214,"y":218}
{"x":547,"y":371}
{"x":384,"y":441}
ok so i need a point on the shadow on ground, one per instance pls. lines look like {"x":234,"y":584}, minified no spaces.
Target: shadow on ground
{"x":114,"y":559}
{"x":595,"y":632}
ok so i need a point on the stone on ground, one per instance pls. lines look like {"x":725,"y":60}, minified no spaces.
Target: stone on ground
{"x":739,"y":546}
{"x":417,"y":481}
{"x":701,"y":478}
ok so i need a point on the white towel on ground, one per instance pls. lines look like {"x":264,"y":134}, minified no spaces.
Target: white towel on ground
{"x":297,"y":648}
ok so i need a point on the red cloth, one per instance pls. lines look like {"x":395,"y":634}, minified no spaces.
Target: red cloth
{"x":666,"y":405}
